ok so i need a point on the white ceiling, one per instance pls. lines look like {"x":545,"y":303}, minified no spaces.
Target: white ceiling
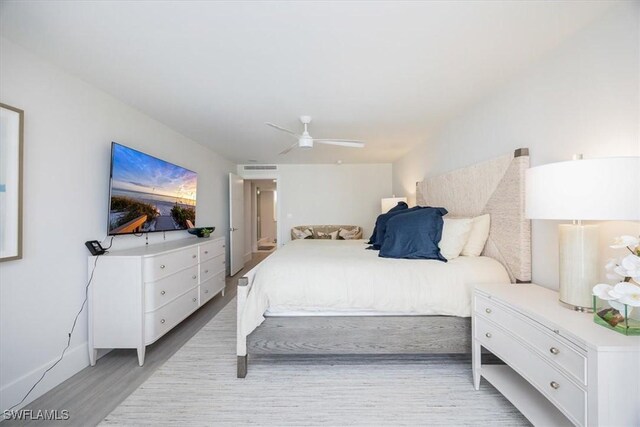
{"x":385,"y":72}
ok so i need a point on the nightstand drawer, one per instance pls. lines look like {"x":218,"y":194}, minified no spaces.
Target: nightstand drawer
{"x":552,"y":347}
{"x":550,"y":381}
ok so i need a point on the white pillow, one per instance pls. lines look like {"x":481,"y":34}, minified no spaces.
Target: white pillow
{"x":455,"y":233}
{"x":478,"y":236}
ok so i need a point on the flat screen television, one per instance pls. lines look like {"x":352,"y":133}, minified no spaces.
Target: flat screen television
{"x":148,"y":194}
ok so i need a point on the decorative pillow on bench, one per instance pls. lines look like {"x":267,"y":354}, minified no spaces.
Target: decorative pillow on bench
{"x":307,"y":233}
{"x":333,"y":235}
{"x":346,"y":234}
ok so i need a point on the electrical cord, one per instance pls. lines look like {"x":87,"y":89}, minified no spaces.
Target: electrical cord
{"x":110,"y":244}
{"x":75,"y":321}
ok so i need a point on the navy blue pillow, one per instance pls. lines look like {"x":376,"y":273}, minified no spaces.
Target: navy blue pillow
{"x":381,"y":225}
{"x":400,"y":206}
{"x":414,"y":235}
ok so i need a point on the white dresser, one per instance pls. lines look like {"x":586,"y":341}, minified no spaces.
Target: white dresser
{"x":137,"y":295}
{"x":561,"y":368}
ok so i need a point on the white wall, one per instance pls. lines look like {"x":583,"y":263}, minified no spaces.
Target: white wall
{"x":69,"y":127}
{"x":347,"y":194}
{"x":581,"y":98}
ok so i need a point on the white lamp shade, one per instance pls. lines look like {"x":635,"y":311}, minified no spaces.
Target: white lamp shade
{"x":590,"y":189}
{"x":390,"y":202}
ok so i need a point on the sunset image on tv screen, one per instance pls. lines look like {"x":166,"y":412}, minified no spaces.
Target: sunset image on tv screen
{"x":149,"y":194}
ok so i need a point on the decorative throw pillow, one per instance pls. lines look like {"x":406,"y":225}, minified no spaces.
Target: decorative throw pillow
{"x":455,"y":233}
{"x":344,"y":234}
{"x":478,"y":235}
{"x":307,"y":233}
{"x":332,"y":236}
{"x":414,"y":235}
{"x":399,"y":207}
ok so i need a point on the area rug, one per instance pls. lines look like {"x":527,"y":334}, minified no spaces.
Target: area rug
{"x":198,"y":386}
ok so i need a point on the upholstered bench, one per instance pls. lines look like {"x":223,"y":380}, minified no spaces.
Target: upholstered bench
{"x":334,"y":232}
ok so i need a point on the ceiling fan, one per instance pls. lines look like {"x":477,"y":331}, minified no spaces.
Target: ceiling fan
{"x":306,"y":141}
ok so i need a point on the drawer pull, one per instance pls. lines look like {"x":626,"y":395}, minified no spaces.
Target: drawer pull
{"x":194,"y":276}
{"x":162,"y":292}
{"x":162,"y":266}
{"x":206,"y":252}
{"x":554,"y":350}
{"x":195,"y":299}
{"x":554,"y":385}
{"x":488,"y":335}
{"x":487,"y":310}
{"x":206,"y":291}
{"x":206,"y":271}
{"x":193,"y":256}
{"x":223,"y":246}
{"x":224,"y":262}
{"x":162,"y":320}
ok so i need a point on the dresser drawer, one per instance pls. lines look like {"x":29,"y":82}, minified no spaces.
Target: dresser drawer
{"x":160,"y":266}
{"x":552,"y":347}
{"x":162,"y":291}
{"x":158,"y":322}
{"x":212,"y":249}
{"x":211,"y":287}
{"x":211,"y":267}
{"x":550,"y":381}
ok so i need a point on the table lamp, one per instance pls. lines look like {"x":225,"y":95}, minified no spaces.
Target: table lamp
{"x":577,"y":190}
{"x":391,"y":202}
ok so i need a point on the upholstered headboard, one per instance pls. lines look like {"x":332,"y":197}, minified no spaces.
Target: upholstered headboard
{"x":495,"y":187}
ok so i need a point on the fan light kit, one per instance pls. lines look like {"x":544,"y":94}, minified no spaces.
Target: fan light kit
{"x":306,"y":141}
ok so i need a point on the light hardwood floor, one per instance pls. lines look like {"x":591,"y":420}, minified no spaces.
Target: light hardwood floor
{"x":94,"y":392}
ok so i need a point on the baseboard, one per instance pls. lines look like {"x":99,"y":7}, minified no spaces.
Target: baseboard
{"x":247,"y":257}
{"x":73,"y":362}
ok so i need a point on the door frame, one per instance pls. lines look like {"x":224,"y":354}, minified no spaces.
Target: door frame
{"x":247,"y":175}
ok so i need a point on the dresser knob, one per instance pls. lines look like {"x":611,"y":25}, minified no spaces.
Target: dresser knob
{"x":488,"y":335}
{"x":195,"y":299}
{"x":554,"y":385}
{"x":554,"y":350}
{"x":223,"y":246}
{"x":193,"y":256}
{"x":487,"y":310}
{"x":162,"y":266}
{"x":162,"y":320}
{"x":206,"y":291}
{"x":206,"y":252}
{"x":162,"y":292}
{"x":224,"y":262}
{"x":194,"y":276}
{"x":206,"y":271}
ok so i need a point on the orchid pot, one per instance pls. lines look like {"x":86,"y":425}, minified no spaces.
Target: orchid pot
{"x":617,"y":306}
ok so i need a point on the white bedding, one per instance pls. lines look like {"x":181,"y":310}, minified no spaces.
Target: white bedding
{"x":320,"y":276}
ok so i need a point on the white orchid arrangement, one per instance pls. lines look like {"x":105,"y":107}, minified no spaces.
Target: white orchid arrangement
{"x":626,"y":272}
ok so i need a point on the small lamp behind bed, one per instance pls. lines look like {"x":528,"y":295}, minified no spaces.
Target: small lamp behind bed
{"x":593,"y":189}
{"x":390,"y":202}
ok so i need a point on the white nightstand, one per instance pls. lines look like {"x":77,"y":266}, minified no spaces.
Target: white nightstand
{"x":561,"y":367}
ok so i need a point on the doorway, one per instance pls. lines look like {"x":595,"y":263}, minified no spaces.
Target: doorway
{"x":261,"y":206}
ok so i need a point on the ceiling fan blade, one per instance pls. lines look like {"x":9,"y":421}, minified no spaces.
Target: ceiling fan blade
{"x":342,"y":142}
{"x":283,"y":129}
{"x":295,"y":144}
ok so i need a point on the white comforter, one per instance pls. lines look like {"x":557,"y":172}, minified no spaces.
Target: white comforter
{"x":342,"y":276}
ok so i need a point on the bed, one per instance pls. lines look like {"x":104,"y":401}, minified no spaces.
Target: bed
{"x":326,"y":297}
